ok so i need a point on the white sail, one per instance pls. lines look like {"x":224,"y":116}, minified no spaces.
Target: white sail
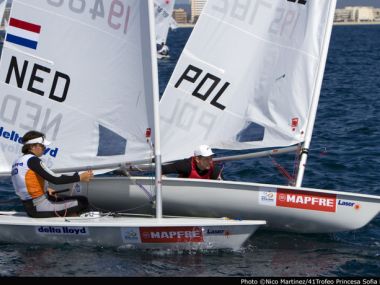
{"x":88,"y":94}
{"x":163,"y":15}
{"x":246,"y":77}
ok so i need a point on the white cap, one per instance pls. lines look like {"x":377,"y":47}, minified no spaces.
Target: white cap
{"x":203,"y":150}
{"x":39,"y":140}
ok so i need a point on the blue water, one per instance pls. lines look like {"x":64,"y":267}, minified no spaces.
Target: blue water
{"x":345,"y":156}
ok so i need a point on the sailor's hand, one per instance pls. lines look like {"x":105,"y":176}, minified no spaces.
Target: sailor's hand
{"x":86,"y":176}
{"x":51,"y":192}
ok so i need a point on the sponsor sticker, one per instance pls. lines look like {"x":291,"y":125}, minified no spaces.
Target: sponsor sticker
{"x":77,"y":188}
{"x":54,"y":230}
{"x":267,"y":197}
{"x":344,"y":203}
{"x":306,"y":200}
{"x":217,"y":232}
{"x":131,"y":235}
{"x":171,"y":234}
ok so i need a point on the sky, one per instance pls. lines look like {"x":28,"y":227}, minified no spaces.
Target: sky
{"x":340,"y":3}
{"x":343,"y":3}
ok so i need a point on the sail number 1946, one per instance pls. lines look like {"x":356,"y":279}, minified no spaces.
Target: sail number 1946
{"x":205,"y":87}
{"x":117,"y":16}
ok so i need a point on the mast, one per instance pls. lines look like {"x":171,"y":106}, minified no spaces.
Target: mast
{"x":317,"y":92}
{"x":155,"y":94}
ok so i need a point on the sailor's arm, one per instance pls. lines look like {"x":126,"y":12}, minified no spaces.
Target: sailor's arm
{"x":181,"y":167}
{"x":35,"y":164}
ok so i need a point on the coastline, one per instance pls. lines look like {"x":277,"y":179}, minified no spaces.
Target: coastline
{"x":185,"y":25}
{"x":355,"y":23}
{"x":189,"y":25}
{"x":335,"y":24}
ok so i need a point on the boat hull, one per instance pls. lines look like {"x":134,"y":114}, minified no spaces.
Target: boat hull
{"x":302,"y":210}
{"x":128,"y":232}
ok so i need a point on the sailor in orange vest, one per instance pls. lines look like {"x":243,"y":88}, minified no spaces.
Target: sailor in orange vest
{"x":28,"y":177}
{"x":199,"y":166}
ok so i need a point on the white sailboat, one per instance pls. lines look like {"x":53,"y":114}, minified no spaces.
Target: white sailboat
{"x":163,"y":10}
{"x":84,"y":73}
{"x":249,"y":77}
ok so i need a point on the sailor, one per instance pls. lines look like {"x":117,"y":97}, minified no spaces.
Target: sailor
{"x":158,"y":46}
{"x":28,"y":177}
{"x":163,"y":49}
{"x":199,"y":166}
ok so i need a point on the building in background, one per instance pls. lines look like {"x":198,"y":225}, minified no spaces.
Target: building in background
{"x":186,"y":7}
{"x":377,"y":15}
{"x":350,"y":14}
{"x":180,"y":16}
{"x":196,"y":9}
{"x":357,"y":15}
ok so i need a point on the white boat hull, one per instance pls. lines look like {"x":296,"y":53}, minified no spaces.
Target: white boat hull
{"x":302,"y":210}
{"x":129,"y":232}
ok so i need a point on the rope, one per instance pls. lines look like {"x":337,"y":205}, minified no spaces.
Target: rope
{"x":125,"y":172}
{"x":292,"y":177}
{"x":221,"y":170}
{"x":296,"y":165}
{"x":282,"y":170}
{"x":146,"y":191}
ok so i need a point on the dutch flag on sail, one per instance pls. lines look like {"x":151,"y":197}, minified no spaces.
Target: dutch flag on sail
{"x":23,"y":33}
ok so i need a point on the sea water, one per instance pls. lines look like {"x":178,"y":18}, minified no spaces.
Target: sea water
{"x":345,"y":156}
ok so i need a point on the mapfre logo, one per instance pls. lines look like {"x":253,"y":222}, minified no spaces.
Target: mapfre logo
{"x":306,"y":200}
{"x":171,"y":234}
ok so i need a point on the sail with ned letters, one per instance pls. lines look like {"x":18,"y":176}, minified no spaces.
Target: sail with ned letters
{"x":96,"y":110}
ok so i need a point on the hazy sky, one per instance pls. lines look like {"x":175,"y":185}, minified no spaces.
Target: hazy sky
{"x":341,"y":3}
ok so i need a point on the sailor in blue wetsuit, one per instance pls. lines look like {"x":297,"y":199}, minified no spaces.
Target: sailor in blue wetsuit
{"x":28,"y":177}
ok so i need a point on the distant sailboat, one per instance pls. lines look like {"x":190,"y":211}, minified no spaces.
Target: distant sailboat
{"x":3,"y":23}
{"x":164,"y":22}
{"x":86,"y":75}
{"x":3,"y":3}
